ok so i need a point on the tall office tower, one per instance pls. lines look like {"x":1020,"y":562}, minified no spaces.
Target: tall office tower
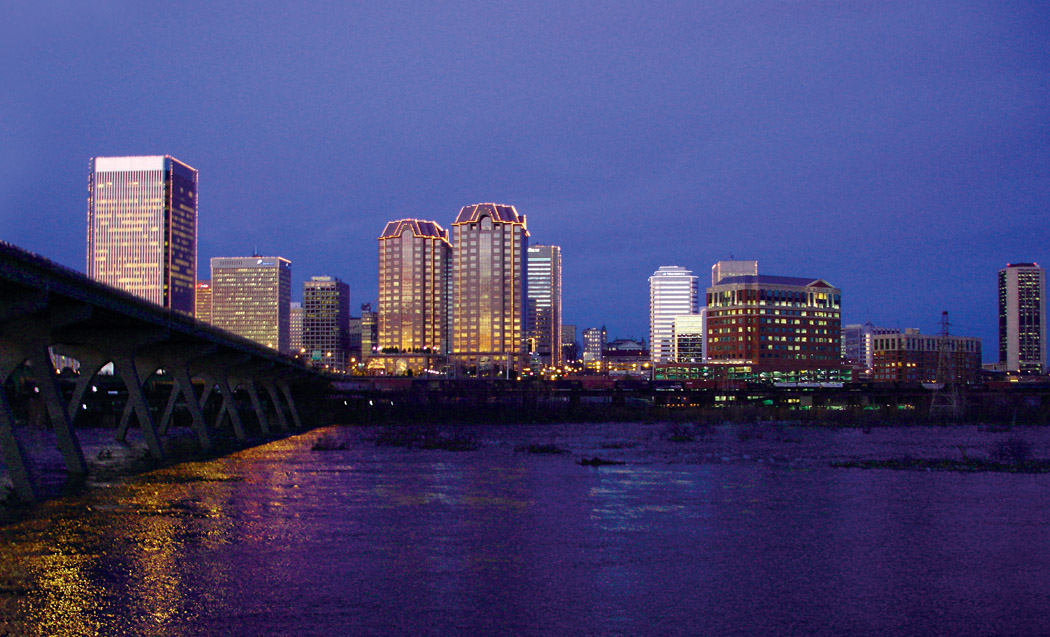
{"x":295,"y":328}
{"x":326,"y":322}
{"x":203,"y":296}
{"x":488,"y":286}
{"x":672,"y":292}
{"x":1022,"y":318}
{"x":142,"y":228}
{"x":250,"y":297}
{"x":414,"y":261}
{"x":723,"y":269}
{"x":689,"y":338}
{"x":786,"y":326}
{"x":594,"y":341}
{"x":543,"y":306}
{"x":569,"y":350}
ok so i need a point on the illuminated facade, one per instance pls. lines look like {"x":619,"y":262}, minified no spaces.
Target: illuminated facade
{"x":326,"y":322}
{"x":1022,"y":318}
{"x":251,"y":298}
{"x":488,"y":287}
{"x":774,"y":320}
{"x":690,"y":334}
{"x":543,"y":310}
{"x":673,"y":292}
{"x":142,"y":228}
{"x":203,"y":296}
{"x":414,"y":262}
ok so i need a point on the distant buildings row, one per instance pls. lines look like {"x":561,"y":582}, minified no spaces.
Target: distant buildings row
{"x":483,"y":301}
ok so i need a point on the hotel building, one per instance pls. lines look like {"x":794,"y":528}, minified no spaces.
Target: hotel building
{"x":488,"y":289}
{"x":1022,"y":318}
{"x":783,"y":328}
{"x":142,"y":228}
{"x":543,"y":309}
{"x":250,"y":297}
{"x":672,"y":292}
{"x":326,"y":322}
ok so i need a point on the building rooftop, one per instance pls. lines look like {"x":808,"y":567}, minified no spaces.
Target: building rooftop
{"x":418,"y":227}
{"x":499,"y":214}
{"x":767,"y":279}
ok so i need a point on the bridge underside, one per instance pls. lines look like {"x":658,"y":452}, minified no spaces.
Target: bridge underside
{"x":47,"y":309}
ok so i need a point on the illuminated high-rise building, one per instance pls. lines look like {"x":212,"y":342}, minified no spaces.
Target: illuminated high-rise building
{"x":203,"y":296}
{"x":672,"y":292}
{"x":295,"y":328}
{"x":543,"y":309}
{"x":326,"y":322}
{"x":414,"y":261}
{"x":251,"y":298}
{"x":142,"y":228}
{"x":1022,"y":318}
{"x":488,"y":286}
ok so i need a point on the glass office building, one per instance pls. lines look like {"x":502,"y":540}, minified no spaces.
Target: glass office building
{"x":142,"y":228}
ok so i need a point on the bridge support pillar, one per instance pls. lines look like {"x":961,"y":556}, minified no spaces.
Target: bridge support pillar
{"x":14,"y":456}
{"x":125,"y":366}
{"x":260,"y":413}
{"x":29,"y":342}
{"x":271,"y":390}
{"x":286,"y":390}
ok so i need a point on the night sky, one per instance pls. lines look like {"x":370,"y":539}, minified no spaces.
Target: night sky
{"x":899,"y":150}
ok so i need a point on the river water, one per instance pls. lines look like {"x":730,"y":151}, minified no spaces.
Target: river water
{"x":739,"y":531}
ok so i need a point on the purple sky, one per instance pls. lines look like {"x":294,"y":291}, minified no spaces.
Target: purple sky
{"x":900,"y":150}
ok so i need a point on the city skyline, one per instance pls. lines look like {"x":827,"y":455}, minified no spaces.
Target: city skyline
{"x":904,"y":160}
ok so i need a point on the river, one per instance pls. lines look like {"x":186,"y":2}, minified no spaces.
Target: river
{"x":739,"y":531}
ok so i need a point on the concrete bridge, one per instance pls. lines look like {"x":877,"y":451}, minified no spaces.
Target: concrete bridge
{"x":45,"y":306}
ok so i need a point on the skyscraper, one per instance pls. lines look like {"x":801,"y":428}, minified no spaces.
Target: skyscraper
{"x":488,"y":282}
{"x":326,"y":322}
{"x":672,"y":292}
{"x":142,"y":228}
{"x":1022,"y":318}
{"x":414,"y":261}
{"x":543,"y":309}
{"x":251,"y":298}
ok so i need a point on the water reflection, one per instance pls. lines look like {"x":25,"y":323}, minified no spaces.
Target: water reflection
{"x":280,"y":539}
